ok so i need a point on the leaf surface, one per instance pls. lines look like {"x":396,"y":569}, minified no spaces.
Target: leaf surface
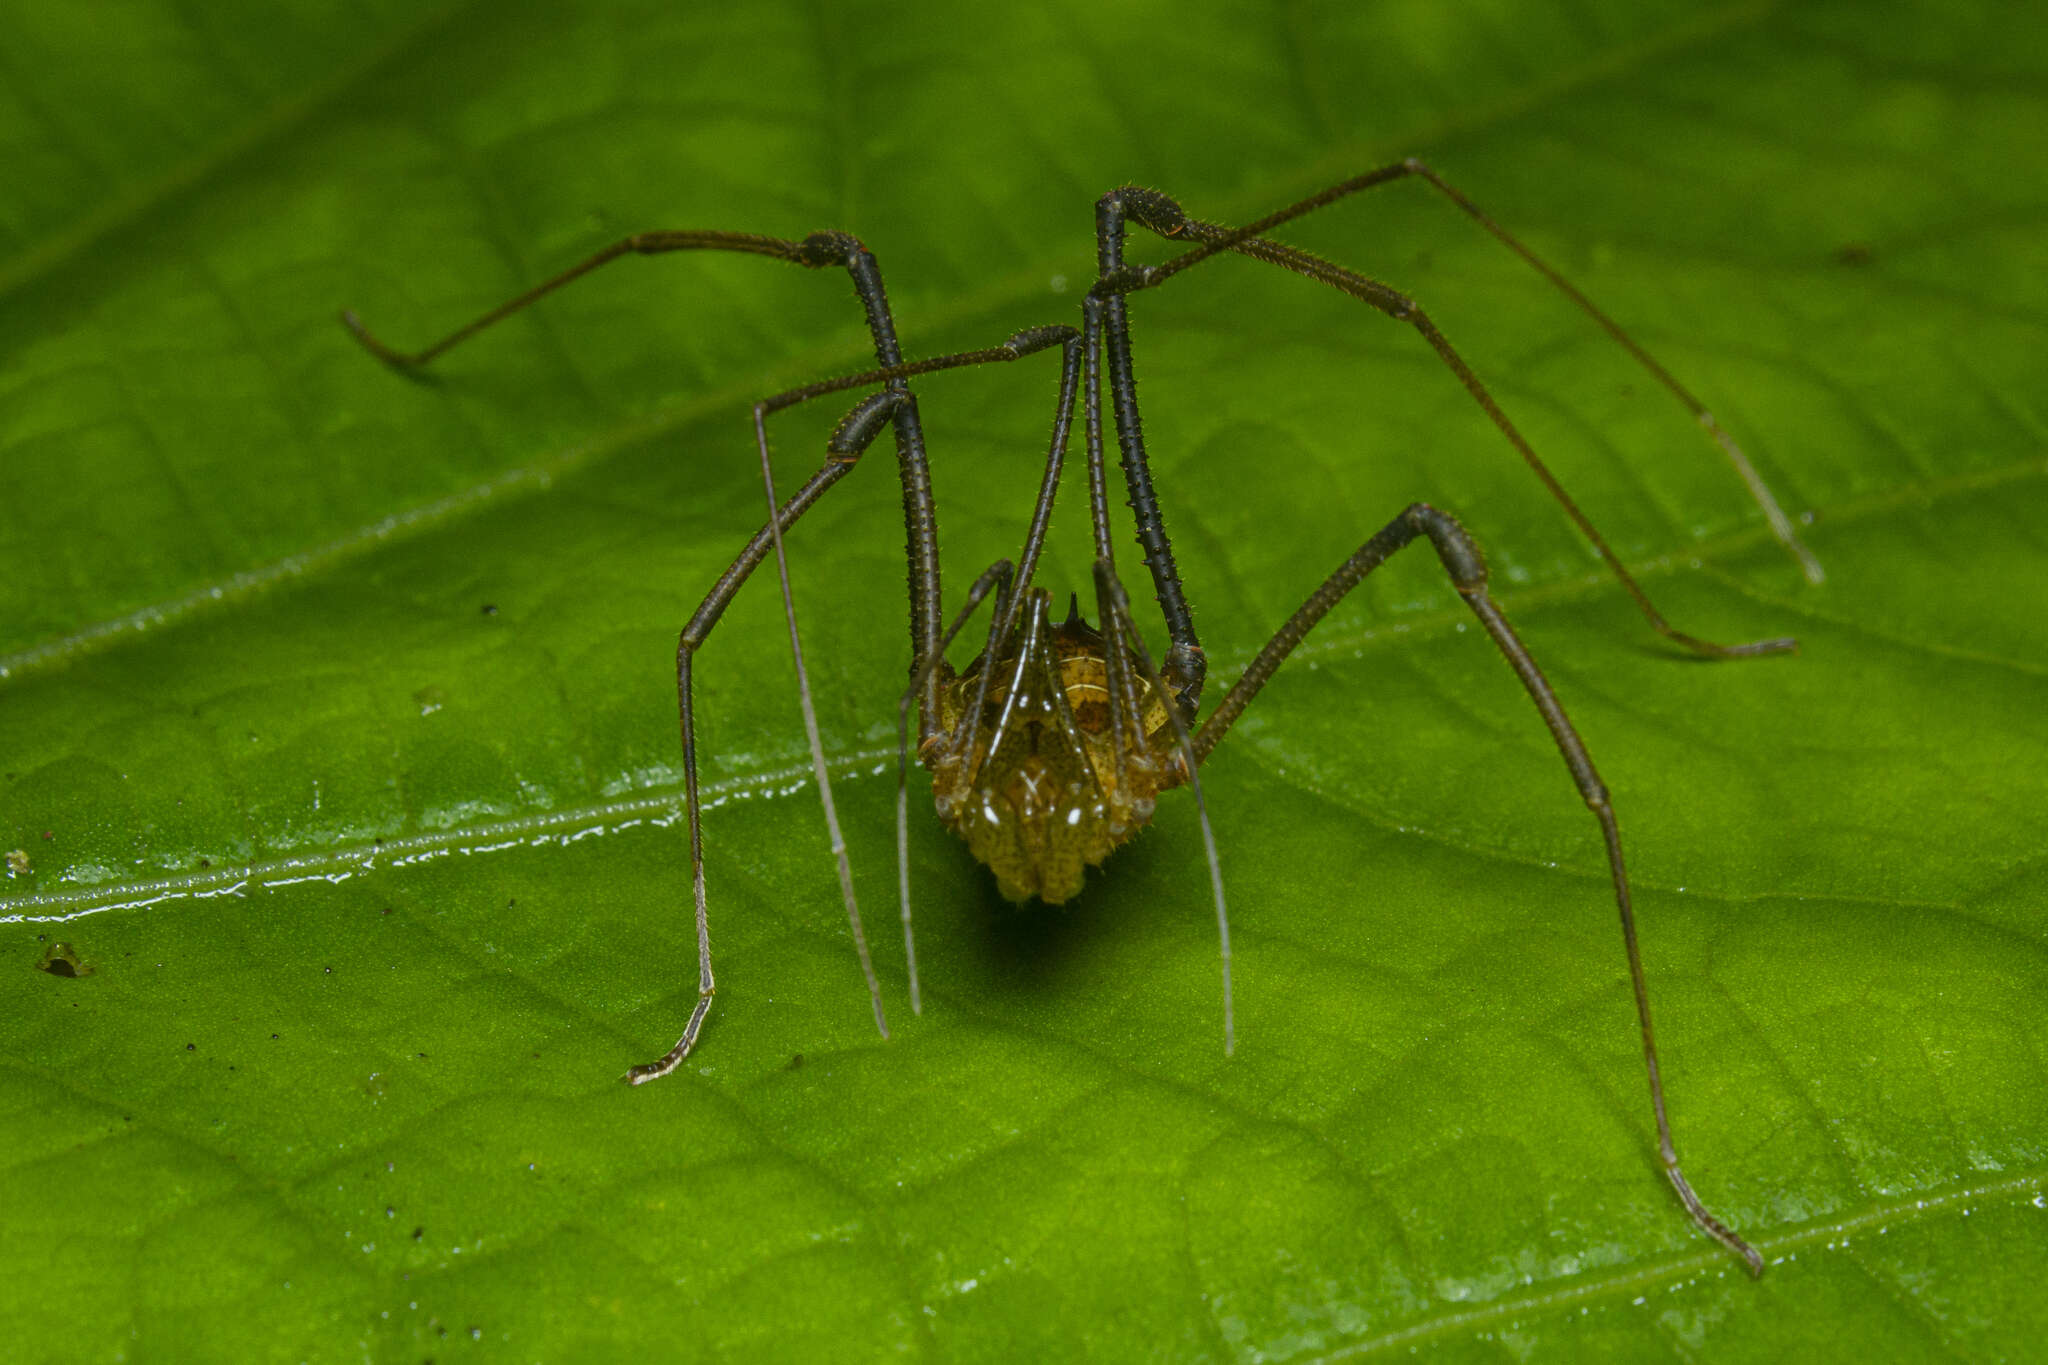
{"x":337,"y":710}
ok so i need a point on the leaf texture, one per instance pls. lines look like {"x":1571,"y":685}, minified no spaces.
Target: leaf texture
{"x":337,"y":731}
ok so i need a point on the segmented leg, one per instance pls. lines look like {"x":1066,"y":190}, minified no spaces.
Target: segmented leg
{"x":1462,"y":560}
{"x":1162,"y":215}
{"x":861,"y":425}
{"x":819,"y":251}
{"x":1104,"y":344}
{"x":895,"y":406}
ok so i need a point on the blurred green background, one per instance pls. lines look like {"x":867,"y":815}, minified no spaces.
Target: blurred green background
{"x":337,"y":726}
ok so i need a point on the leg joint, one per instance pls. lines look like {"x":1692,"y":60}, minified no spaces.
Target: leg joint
{"x":822,"y":249}
{"x":1454,"y":545}
{"x":1038,"y":338}
{"x":1150,"y":209}
{"x":866,"y":420}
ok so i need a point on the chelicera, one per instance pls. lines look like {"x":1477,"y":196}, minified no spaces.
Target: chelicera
{"x":1051,"y":748}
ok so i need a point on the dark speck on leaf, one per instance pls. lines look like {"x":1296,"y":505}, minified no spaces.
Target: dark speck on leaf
{"x":61,"y":959}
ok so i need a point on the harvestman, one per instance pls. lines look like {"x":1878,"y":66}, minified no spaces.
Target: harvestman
{"x":1050,"y":748}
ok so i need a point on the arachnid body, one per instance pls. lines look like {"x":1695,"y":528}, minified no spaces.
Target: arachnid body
{"x":1060,"y":788}
{"x":1051,"y":747}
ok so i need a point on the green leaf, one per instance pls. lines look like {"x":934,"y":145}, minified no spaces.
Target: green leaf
{"x":337,"y":730}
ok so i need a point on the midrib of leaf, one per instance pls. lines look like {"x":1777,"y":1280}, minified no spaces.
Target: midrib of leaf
{"x":663,"y":802}
{"x":393,"y":855}
{"x":486,"y":836}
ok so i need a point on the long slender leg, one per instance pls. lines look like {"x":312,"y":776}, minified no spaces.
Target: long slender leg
{"x":1186,"y":659}
{"x":1124,"y":642}
{"x":820,"y":250}
{"x":1020,"y":344}
{"x":1106,"y":320}
{"x":1467,"y":569}
{"x":848,"y":441}
{"x":1158,"y":213}
{"x":895,"y":404}
{"x":864,"y":432}
{"x":1162,"y":215}
{"x":1404,"y":309}
{"x":852,"y":435}
{"x":854,"y":432}
{"x":640,"y":243}
{"x":1073,"y":345}
{"x":693,"y":634}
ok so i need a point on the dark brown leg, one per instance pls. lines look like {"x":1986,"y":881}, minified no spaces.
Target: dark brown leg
{"x":1467,"y":568}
